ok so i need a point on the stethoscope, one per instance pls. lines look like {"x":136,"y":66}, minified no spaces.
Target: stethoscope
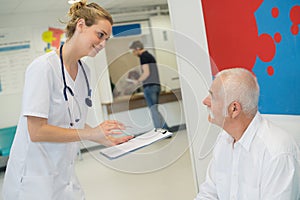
{"x":66,"y":89}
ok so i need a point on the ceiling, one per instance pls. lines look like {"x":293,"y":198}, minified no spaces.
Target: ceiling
{"x":10,"y":7}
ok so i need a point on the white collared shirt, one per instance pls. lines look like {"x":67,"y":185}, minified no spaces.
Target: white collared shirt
{"x":263,"y":165}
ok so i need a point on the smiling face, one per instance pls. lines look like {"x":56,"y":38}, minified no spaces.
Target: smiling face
{"x":93,"y":38}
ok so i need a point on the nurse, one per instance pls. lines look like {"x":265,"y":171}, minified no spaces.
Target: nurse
{"x":54,"y":109}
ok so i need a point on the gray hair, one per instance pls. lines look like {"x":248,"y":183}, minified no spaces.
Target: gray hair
{"x":136,"y":45}
{"x":240,"y":85}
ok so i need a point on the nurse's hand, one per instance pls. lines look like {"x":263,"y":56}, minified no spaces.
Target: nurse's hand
{"x":105,"y":133}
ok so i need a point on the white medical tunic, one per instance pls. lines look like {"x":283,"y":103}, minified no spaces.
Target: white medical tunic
{"x":44,"y":170}
{"x":262,"y":165}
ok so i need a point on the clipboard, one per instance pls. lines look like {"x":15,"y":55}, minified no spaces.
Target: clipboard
{"x":135,"y":143}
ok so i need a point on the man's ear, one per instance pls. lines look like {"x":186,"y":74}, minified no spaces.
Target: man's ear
{"x":234,"y":109}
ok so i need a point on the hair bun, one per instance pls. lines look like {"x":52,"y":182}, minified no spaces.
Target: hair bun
{"x":77,"y":6}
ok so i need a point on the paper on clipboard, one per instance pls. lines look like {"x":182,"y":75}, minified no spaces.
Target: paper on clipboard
{"x":135,"y":143}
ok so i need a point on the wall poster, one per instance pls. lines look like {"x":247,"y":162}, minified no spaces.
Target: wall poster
{"x":262,"y":36}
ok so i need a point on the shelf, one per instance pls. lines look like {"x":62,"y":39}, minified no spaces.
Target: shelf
{"x":130,"y":102}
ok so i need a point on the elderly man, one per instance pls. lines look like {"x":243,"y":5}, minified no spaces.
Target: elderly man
{"x":252,"y":159}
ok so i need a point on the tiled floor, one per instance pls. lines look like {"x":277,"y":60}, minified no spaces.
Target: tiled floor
{"x":161,"y":171}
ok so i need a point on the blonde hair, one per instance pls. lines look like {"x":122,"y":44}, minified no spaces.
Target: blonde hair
{"x":91,"y":13}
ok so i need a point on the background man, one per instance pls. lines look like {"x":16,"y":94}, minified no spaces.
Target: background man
{"x":150,"y":81}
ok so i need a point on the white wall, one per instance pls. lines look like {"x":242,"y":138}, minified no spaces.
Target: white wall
{"x":195,"y":77}
{"x":291,"y":123}
{"x":194,"y":70}
{"x":32,"y":20}
{"x":163,"y":40}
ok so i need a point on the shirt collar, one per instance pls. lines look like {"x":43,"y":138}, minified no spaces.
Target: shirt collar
{"x":248,"y":136}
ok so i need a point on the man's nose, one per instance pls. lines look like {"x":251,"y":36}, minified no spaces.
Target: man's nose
{"x":206,"y":101}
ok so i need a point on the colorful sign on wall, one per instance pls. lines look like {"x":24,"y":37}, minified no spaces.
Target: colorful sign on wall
{"x":263,"y":37}
{"x":53,"y":37}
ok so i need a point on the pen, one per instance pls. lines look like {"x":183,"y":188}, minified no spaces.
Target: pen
{"x":124,"y":132}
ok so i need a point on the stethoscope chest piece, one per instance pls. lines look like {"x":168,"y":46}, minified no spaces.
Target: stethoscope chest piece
{"x":88,"y":102}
